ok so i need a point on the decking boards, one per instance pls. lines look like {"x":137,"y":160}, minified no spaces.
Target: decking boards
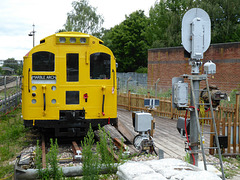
{"x":166,"y":136}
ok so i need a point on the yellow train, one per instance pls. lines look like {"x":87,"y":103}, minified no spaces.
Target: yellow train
{"x":69,"y":81}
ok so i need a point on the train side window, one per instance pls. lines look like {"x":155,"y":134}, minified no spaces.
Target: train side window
{"x":72,"y":97}
{"x":100,"y":66}
{"x":43,"y":61}
{"x":72,"y":67}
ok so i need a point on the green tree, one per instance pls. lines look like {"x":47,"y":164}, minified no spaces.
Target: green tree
{"x":225,"y":19}
{"x":165,"y":19}
{"x":12,"y":63}
{"x":83,"y":18}
{"x":128,"y":42}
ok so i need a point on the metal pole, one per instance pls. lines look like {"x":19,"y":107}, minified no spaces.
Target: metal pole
{"x":33,"y":36}
{"x":156,"y":86}
{"x":128,"y":82}
{"x":5,"y":92}
{"x":16,"y":99}
{"x":193,"y":123}
{"x":32,"y":33}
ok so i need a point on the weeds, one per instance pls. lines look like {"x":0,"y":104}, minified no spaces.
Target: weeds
{"x":52,"y":170}
{"x":90,"y":159}
{"x":187,"y":158}
{"x":103,"y":148}
{"x":12,"y":138}
{"x":102,"y":159}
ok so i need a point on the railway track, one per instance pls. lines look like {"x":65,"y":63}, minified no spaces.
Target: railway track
{"x":70,"y":153}
{"x":6,"y":80}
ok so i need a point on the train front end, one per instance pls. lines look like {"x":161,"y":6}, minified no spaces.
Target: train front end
{"x":69,"y":81}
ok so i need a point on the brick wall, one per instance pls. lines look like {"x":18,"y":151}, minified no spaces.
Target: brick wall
{"x":166,"y":63}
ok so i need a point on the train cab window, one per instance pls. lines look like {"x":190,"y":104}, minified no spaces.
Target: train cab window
{"x":72,"y":97}
{"x":100,"y":66}
{"x":43,"y":61}
{"x":72,"y":67}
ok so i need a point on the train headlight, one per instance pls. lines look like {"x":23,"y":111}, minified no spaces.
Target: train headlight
{"x":53,"y":101}
{"x":34,"y":88}
{"x":72,"y":40}
{"x":54,"y":88}
{"x":34,"y":101}
{"x":62,"y":39}
{"x":83,"y":40}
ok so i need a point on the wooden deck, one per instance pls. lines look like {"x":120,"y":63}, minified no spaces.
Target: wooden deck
{"x":166,"y":136}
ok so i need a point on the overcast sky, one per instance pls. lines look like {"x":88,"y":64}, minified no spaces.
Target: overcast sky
{"x":18,"y":16}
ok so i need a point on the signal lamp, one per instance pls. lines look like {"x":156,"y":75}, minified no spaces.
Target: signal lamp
{"x":83,"y":40}
{"x":62,"y":39}
{"x":72,"y":40}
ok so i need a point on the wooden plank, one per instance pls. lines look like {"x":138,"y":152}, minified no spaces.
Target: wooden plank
{"x":234,"y":133}
{"x":229,"y":133}
{"x":113,"y":132}
{"x":125,"y":132}
{"x":238,"y":119}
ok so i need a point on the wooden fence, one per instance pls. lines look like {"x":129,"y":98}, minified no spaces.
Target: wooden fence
{"x":226,"y":117}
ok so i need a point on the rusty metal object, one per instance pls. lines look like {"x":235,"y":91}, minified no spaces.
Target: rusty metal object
{"x":76,"y":151}
{"x":120,"y":144}
{"x":216,"y":96}
{"x":43,"y":153}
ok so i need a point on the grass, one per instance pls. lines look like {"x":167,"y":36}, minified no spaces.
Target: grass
{"x":9,"y":92}
{"x":12,"y":140}
{"x":142,"y":90}
{"x":231,"y":166}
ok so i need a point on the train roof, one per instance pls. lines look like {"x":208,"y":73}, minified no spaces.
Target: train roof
{"x":69,"y":35}
{"x":73,"y":34}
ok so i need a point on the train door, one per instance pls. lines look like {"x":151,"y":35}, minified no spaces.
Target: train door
{"x":72,"y":77}
{"x":42,"y":80}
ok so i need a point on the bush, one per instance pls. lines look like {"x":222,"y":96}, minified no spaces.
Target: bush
{"x":142,"y":70}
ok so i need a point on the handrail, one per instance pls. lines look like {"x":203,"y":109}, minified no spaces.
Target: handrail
{"x":44,"y":99}
{"x":29,"y":80}
{"x":113,"y":80}
{"x":103,"y":101}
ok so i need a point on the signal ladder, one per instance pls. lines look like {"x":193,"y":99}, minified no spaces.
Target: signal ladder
{"x":213,"y":122}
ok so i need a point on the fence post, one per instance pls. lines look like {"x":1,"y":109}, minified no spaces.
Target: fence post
{"x":171,"y":108}
{"x":16,"y":97}
{"x":129,"y":100}
{"x":129,"y":79}
{"x":5,"y":92}
{"x":237,"y":119}
{"x":229,"y":120}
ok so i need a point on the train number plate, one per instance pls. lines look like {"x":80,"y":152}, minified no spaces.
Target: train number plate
{"x":44,"y":79}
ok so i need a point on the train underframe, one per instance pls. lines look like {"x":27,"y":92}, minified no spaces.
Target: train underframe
{"x":72,"y":123}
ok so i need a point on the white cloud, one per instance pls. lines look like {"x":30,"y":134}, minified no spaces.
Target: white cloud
{"x":17,"y":17}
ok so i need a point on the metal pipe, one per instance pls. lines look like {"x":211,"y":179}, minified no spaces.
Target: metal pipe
{"x":193,"y":122}
{"x":67,"y":172}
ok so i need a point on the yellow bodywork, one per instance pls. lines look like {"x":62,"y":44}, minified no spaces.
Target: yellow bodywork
{"x":43,"y":101}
